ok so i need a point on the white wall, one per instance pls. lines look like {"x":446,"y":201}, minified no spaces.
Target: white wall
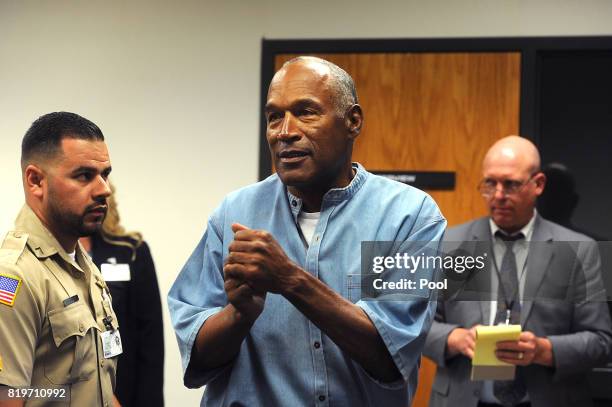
{"x":175,"y":88}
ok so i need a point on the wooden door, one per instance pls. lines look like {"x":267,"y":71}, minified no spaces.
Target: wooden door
{"x":433,"y":112}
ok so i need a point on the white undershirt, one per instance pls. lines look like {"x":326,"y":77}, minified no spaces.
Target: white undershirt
{"x":308,"y":223}
{"x":73,"y":256}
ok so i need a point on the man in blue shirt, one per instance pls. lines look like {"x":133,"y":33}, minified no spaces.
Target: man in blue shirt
{"x":267,"y":310}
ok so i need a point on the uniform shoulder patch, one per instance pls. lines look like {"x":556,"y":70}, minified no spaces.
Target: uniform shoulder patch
{"x":12,"y":247}
{"x":9,"y":288}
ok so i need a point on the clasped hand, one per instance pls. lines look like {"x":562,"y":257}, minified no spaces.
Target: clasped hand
{"x":256,"y":264}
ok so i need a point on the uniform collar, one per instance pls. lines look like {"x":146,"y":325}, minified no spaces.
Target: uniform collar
{"x":334,"y":195}
{"x":41,"y":241}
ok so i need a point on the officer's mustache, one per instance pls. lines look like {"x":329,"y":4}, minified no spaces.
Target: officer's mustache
{"x":98,"y":206}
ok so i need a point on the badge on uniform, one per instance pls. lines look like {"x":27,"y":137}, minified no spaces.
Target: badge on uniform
{"x":115,"y":272}
{"x":9,"y":287}
{"x":111,"y":343}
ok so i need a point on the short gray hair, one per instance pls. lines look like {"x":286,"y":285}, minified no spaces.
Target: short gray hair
{"x":345,"y":93}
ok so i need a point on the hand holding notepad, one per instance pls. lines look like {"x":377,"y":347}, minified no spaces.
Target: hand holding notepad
{"x":485,"y":364}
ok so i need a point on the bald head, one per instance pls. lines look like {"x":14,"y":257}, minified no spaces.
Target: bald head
{"x":513,"y":162}
{"x":516,"y":151}
{"x":341,"y":85}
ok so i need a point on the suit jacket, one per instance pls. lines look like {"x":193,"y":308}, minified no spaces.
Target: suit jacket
{"x":137,"y":304}
{"x":563,"y":299}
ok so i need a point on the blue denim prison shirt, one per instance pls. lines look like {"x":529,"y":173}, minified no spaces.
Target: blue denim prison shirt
{"x":278,"y":363}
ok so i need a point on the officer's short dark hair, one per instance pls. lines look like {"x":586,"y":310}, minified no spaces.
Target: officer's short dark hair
{"x":43,"y":138}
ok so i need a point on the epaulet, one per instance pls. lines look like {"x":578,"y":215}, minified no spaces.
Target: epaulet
{"x":12,"y":247}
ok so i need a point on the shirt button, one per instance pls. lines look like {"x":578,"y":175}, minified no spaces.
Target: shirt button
{"x":293,"y":202}
{"x":81,"y":328}
{"x":317,"y":345}
{"x":321,"y":398}
{"x":317,"y":237}
{"x":101,"y":363}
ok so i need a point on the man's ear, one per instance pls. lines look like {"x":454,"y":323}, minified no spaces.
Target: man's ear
{"x":354,"y":120}
{"x":540,"y":181}
{"x":34,"y":180}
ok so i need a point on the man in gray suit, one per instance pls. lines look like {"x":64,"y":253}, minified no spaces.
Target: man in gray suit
{"x":543,"y":276}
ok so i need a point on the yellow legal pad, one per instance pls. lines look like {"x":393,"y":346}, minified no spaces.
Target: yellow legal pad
{"x":485,"y":365}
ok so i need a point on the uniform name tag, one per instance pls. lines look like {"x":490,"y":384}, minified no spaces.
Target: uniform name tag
{"x":115,"y":272}
{"x":111,"y":343}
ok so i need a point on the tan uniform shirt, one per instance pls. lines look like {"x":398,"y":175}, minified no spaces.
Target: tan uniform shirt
{"x":45,"y":340}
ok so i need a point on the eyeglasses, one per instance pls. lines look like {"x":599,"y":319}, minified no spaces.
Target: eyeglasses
{"x":488,"y":186}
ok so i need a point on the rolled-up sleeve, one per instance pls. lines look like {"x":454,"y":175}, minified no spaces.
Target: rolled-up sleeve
{"x":196,"y":295}
{"x":404,"y":324}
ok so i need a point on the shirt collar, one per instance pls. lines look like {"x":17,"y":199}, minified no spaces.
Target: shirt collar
{"x":334,"y":195}
{"x":40,"y":240}
{"x":526,"y":230}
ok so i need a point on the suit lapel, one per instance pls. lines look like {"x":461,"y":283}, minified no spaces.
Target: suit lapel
{"x":481,"y":233}
{"x":538,"y":259}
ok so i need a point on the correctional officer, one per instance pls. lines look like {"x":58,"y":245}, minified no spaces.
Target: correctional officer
{"x":58,"y":326}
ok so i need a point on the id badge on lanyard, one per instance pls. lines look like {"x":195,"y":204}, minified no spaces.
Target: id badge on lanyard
{"x":111,"y":339}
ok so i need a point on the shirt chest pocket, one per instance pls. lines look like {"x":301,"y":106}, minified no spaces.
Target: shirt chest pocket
{"x":73,"y":355}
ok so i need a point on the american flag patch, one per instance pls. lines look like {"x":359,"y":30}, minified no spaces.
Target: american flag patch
{"x":9,"y":286}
